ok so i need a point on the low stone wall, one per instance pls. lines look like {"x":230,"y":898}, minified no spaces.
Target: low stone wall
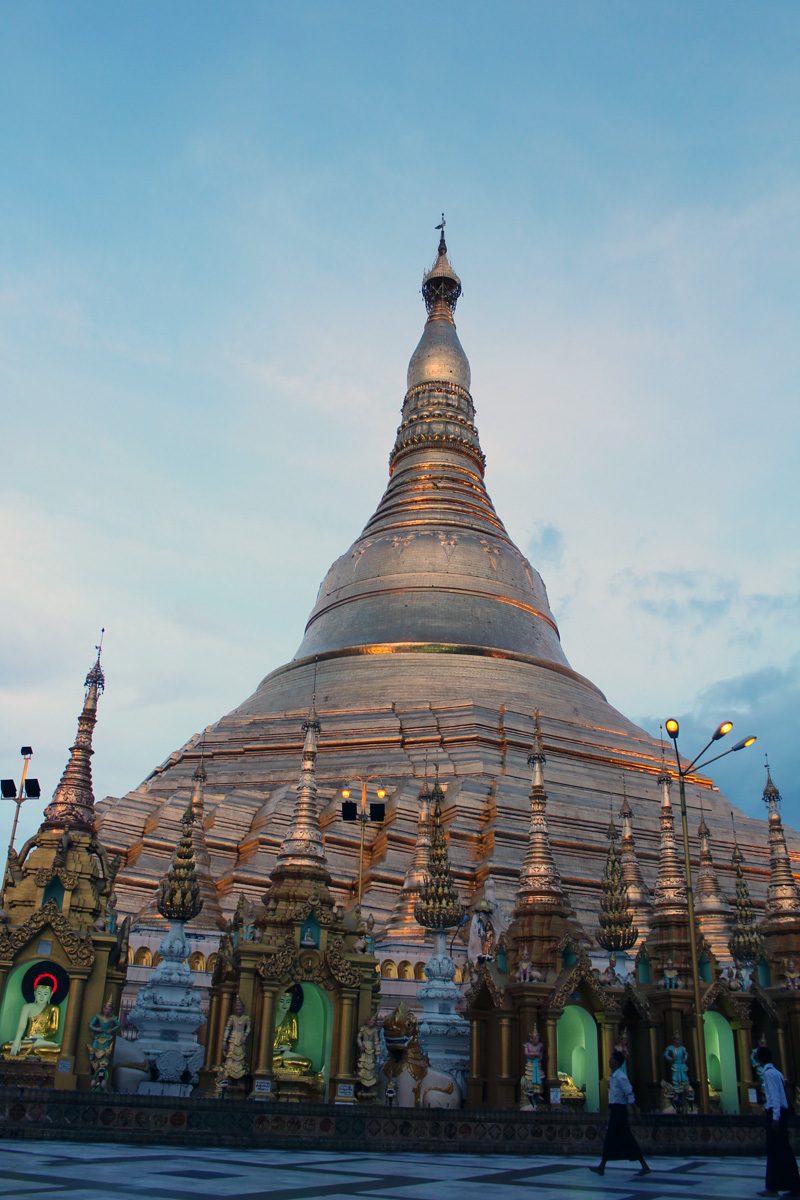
{"x":82,"y":1116}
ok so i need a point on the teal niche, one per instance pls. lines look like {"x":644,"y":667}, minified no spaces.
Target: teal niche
{"x":576,"y":1039}
{"x":303,"y":1031}
{"x":721,"y":1060}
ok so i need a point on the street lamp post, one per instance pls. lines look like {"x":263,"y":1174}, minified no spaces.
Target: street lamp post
{"x":351,"y":811}
{"x":673,"y":728}
{"x":28,"y":790}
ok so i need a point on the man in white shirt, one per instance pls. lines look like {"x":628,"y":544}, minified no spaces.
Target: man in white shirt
{"x":782,"y":1174}
{"x":619,"y":1141}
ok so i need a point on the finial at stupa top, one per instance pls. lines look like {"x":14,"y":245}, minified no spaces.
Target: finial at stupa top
{"x":95,"y":677}
{"x":771,"y":795}
{"x":441,"y":287}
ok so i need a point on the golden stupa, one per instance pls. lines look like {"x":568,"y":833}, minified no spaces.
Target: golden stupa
{"x":430,"y":645}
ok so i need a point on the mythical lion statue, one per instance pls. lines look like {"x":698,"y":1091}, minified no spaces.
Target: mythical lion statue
{"x":408,"y":1070}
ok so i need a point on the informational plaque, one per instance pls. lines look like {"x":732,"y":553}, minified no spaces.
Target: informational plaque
{"x":262,"y":1088}
{"x":64,"y":1066}
{"x":345,"y":1093}
{"x":555,"y":1095}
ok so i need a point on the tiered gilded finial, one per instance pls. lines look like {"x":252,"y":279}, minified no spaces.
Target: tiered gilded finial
{"x":72,"y":806}
{"x":711,"y":906}
{"x":669,"y":897}
{"x":179,"y":892}
{"x":402,"y":922}
{"x":783,"y":898}
{"x":303,"y":847}
{"x":438,"y":906}
{"x":745,"y":942}
{"x":638,"y":891}
{"x":539,"y":880}
{"x":441,"y":287}
{"x":617,"y":931}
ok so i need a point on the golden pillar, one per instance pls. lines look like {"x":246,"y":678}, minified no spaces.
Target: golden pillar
{"x":212,"y":1039}
{"x":225,"y":1005}
{"x":552,"y":1054}
{"x":346,"y":1037}
{"x":72,"y":1023}
{"x":266,"y":1033}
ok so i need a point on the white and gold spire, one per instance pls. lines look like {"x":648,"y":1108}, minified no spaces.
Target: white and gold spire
{"x":303,"y":847}
{"x":783,"y":897}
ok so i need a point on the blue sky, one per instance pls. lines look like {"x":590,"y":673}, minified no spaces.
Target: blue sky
{"x":213,"y":223}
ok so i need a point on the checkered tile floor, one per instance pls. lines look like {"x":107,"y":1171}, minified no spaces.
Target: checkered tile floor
{"x":71,"y":1171}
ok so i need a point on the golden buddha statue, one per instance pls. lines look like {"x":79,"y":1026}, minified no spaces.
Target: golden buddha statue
{"x":287,"y":1032}
{"x":37,"y":1026}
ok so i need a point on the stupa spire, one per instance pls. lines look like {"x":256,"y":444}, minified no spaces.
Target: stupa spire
{"x":72,"y":806}
{"x":179,"y":892}
{"x":669,"y":897}
{"x":303,"y":847}
{"x":434,"y":567}
{"x":403,"y":922}
{"x":539,"y":880}
{"x":205,"y":875}
{"x":638,"y":891}
{"x":617,"y":931}
{"x":713,"y":910}
{"x":745,"y":943}
{"x":783,"y":898}
{"x":438,"y":906}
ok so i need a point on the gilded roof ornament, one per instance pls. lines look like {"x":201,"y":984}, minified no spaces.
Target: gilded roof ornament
{"x":745,"y":942}
{"x":669,"y":897}
{"x":638,"y":891}
{"x":179,"y":892}
{"x":617,"y":931}
{"x":783,"y":897}
{"x":72,"y":806}
{"x":539,"y":880}
{"x":709,"y":894}
{"x":303,"y":846}
{"x":441,"y":287}
{"x":438,"y":906}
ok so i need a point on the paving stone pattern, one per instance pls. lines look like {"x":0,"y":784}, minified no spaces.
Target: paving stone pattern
{"x":86,"y":1171}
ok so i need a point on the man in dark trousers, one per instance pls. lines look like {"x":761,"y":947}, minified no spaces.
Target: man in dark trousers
{"x":782,"y":1173}
{"x":619,"y":1141}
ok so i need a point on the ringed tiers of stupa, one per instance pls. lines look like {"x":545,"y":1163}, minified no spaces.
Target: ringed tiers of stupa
{"x":430,"y":645}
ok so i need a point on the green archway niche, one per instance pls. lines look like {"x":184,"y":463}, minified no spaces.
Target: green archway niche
{"x":721,"y":1060}
{"x":576,"y":1035}
{"x":13,"y":1001}
{"x":54,"y":891}
{"x":315,"y":1029}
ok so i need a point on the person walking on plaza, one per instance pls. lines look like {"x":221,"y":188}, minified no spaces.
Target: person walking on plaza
{"x":782,"y":1174}
{"x":619,"y":1141}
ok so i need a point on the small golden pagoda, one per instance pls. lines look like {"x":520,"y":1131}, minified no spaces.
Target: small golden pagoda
{"x":61,"y":953}
{"x":293,"y":986}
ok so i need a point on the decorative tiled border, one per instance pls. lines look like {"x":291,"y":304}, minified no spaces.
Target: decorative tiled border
{"x":79,"y":1116}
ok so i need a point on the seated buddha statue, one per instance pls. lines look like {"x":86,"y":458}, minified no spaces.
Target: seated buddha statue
{"x":37,"y":1027}
{"x":284,"y":1058}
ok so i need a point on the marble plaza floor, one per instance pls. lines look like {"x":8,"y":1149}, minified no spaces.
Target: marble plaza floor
{"x":81,"y":1171}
